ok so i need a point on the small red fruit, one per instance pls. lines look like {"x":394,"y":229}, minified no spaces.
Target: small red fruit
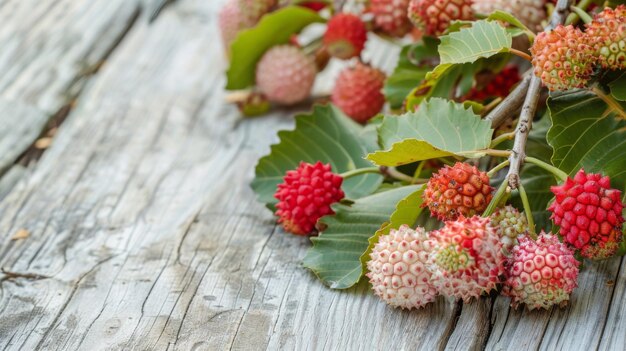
{"x":540,"y":273}
{"x":589,"y":213}
{"x":306,"y":195}
{"x":391,"y":16}
{"x":345,"y":36}
{"x":357,"y":92}
{"x":458,"y":190}
{"x":433,"y":17}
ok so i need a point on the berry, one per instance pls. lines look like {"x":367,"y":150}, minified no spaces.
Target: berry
{"x":562,"y":59}
{"x":458,"y":190}
{"x":391,"y":16}
{"x":607,"y":35}
{"x":229,"y":19}
{"x":357,"y":92}
{"x":345,"y":36}
{"x":466,"y":258}
{"x":285,"y":75}
{"x":589,"y":213}
{"x":398,"y":268}
{"x":499,"y":86}
{"x":512,"y":223}
{"x":253,"y":10}
{"x":540,"y":273}
{"x":530,"y":12}
{"x":434,"y":16}
{"x":306,"y":195}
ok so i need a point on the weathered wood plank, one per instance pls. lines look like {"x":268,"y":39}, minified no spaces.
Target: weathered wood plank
{"x":20,"y":125}
{"x":49,"y":49}
{"x":146,"y":235}
{"x":48,"y":46}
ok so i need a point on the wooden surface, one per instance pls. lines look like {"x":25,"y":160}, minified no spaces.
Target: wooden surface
{"x":142,"y":231}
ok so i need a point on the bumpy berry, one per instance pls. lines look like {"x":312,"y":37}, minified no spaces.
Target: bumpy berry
{"x":391,"y":16}
{"x":306,"y":195}
{"x":345,"y":36}
{"x":434,"y":16}
{"x":253,"y":10}
{"x":358,"y":92}
{"x":398,"y":268}
{"x":466,"y":258}
{"x":540,"y":273}
{"x":562,"y":58}
{"x":230,"y":24}
{"x":607,"y":36}
{"x":499,"y":86}
{"x":589,"y":213}
{"x":512,"y":223}
{"x":285,"y":75}
{"x":530,"y":12}
{"x":458,"y":190}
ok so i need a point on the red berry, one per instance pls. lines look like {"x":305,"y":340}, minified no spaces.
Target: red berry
{"x":607,"y":35}
{"x":589,"y":213}
{"x":540,"y":273}
{"x":285,"y":75}
{"x":391,"y":16}
{"x":562,"y":58}
{"x":306,"y":195}
{"x":458,"y":190}
{"x":345,"y":36}
{"x":357,"y":92}
{"x":434,"y":16}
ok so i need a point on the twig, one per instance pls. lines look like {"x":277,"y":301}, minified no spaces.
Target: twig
{"x":530,"y":105}
{"x":511,"y":104}
{"x":521,"y":54}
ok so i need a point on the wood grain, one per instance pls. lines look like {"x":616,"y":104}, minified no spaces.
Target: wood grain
{"x":144,"y":233}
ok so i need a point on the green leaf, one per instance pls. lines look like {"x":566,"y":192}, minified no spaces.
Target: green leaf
{"x":336,"y":253}
{"x":618,"y":88}
{"x":410,"y":71}
{"x":407,"y":211}
{"x":585,"y":133}
{"x":483,"y":39}
{"x":510,"y":19}
{"x":250,"y":45}
{"x":326,"y":135}
{"x":439,"y":128}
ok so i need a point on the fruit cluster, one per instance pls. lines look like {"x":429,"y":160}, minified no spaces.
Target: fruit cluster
{"x":358,"y":88}
{"x":471,"y":255}
{"x":457,"y":88}
{"x":565,"y":57}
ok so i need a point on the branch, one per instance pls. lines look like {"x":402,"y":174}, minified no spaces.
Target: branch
{"x":530,"y":105}
{"x":511,"y":104}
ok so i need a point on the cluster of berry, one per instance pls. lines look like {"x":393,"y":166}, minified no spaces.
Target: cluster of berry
{"x":471,"y":255}
{"x":286,"y":73}
{"x":565,"y":58}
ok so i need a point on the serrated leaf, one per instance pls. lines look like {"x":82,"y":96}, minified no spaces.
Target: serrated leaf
{"x":274,"y":28}
{"x":439,"y":128}
{"x":585,"y":133}
{"x":325,"y":135}
{"x":336,"y":253}
{"x":407,"y":211}
{"x":483,"y":39}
